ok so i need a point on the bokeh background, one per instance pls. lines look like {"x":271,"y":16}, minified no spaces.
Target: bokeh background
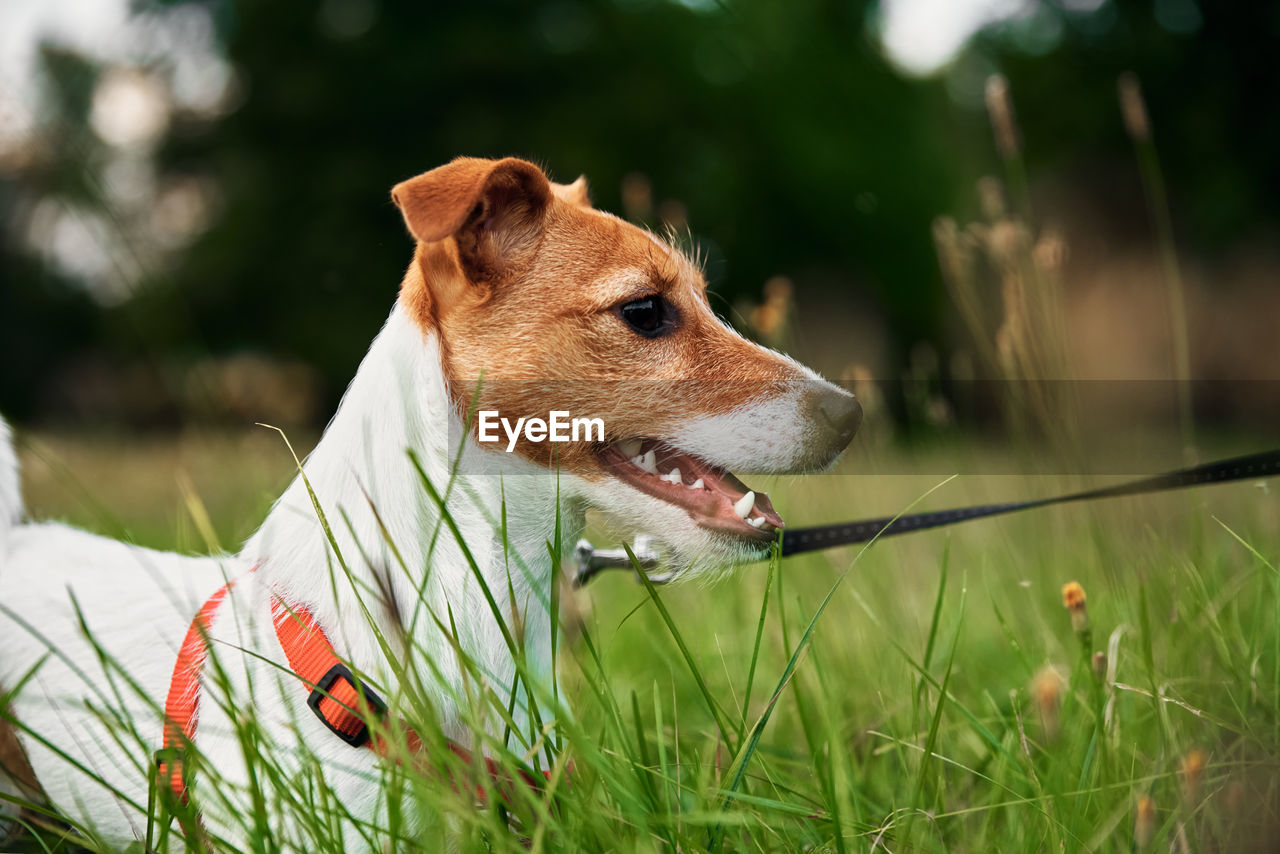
{"x":195,"y":225}
{"x":1051,"y":220}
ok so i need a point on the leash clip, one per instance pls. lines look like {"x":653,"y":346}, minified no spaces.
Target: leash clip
{"x":588,"y":561}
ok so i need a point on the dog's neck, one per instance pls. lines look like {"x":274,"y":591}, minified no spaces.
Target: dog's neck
{"x":390,"y":534}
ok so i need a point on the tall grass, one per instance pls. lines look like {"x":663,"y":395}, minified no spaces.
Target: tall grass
{"x":1133,"y":108}
{"x":929,"y":694}
{"x":943,"y":692}
{"x":1004,"y":275}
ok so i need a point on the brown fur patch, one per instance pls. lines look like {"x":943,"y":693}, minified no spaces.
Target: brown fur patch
{"x":13,"y":760}
{"x":541,"y":324}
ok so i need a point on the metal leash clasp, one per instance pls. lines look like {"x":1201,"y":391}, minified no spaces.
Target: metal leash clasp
{"x":588,"y":561}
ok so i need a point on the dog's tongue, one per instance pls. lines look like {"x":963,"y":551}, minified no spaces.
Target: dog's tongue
{"x":711,"y":494}
{"x":722,"y":483}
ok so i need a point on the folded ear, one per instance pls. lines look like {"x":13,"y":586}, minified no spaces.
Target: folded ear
{"x":494,"y":208}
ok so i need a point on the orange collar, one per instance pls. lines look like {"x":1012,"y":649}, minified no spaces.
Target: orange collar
{"x":342,"y":702}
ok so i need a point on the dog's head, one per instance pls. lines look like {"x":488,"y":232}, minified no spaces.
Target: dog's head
{"x":543,"y":303}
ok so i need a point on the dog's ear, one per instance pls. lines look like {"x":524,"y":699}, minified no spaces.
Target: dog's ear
{"x":493,"y":208}
{"x":576,"y":193}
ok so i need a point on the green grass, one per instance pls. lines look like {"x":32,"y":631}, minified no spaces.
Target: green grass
{"x":925,"y":694}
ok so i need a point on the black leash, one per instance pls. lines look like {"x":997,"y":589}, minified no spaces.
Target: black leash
{"x":798,"y":540}
{"x":589,"y":561}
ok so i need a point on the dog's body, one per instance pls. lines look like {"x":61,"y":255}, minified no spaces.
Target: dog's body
{"x":515,"y":281}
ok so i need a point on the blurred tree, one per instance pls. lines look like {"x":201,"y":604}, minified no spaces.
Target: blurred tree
{"x":45,"y":318}
{"x":1210,"y":82}
{"x":777,"y":129}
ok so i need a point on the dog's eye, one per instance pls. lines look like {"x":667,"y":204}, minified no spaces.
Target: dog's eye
{"x":646,"y":316}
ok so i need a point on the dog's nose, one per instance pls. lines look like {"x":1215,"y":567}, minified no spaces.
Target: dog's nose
{"x":842,"y":414}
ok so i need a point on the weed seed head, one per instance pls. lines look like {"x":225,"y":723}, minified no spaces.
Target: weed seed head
{"x":1144,"y":822}
{"x":1050,"y":252}
{"x":1000,"y":109}
{"x":1191,"y":771}
{"x":1133,"y":108}
{"x":769,"y":319}
{"x":991,"y":197}
{"x":1233,"y":799}
{"x":1046,"y":690}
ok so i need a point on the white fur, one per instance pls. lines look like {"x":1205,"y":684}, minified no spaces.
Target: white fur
{"x":771,"y":434}
{"x":137,"y":603}
{"x":10,"y":512}
{"x":10,"y":493}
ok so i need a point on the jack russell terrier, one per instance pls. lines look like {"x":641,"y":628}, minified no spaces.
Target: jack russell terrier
{"x":521,"y":299}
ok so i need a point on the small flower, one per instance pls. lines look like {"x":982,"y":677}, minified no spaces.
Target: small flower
{"x":1073,"y":598}
{"x":1191,"y":770}
{"x":1144,"y":822}
{"x":1100,"y":665}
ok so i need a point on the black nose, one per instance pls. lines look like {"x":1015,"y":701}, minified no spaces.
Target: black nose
{"x":842,"y":414}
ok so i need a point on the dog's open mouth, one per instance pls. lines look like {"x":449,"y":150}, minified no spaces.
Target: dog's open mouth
{"x":712,"y":496}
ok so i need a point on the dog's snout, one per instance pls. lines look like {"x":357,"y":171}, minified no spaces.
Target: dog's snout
{"x":841,"y":414}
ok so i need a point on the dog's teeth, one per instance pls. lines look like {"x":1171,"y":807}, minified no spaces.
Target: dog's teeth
{"x":698,"y":484}
{"x":672,"y":476}
{"x":630,"y":447}
{"x":649,"y":462}
{"x":744,"y":505}
{"x":757,"y":522}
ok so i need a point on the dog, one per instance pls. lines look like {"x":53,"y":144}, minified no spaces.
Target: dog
{"x":521,"y":299}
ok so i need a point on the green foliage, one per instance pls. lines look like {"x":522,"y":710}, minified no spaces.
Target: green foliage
{"x":904,"y":711}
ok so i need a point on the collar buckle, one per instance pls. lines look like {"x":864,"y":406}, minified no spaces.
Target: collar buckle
{"x":322,"y":691}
